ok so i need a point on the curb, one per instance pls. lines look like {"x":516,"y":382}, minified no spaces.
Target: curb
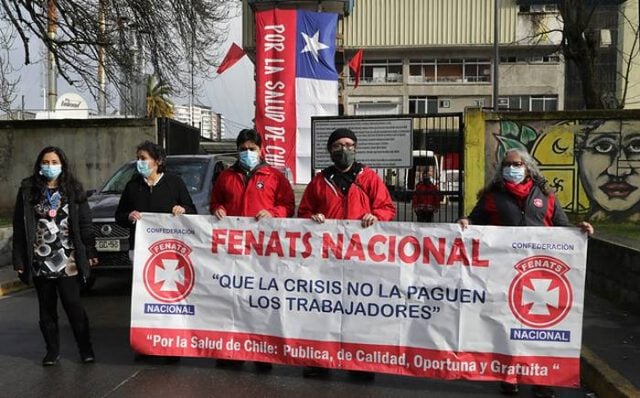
{"x":602,"y":379}
{"x":11,"y":286}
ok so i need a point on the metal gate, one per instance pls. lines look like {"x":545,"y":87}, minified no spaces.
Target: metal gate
{"x":438,"y":156}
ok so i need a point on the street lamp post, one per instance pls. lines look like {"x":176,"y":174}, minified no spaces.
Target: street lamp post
{"x":496,"y":52}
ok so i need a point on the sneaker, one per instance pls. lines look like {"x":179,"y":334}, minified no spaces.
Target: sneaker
{"x":543,"y":392}
{"x":508,"y":388}
{"x":87,"y":357}
{"x":314,"y":371}
{"x":263,"y":366}
{"x":50,"y":359}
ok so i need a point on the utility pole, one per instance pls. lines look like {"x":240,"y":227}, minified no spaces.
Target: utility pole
{"x":102,"y":81}
{"x":496,"y":52}
{"x":193,"y":39}
{"x":52,"y":75}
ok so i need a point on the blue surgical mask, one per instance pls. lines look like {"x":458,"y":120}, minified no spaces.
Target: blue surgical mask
{"x":143,"y":168}
{"x":249,"y":159}
{"x":50,"y":171}
{"x":514,"y":174}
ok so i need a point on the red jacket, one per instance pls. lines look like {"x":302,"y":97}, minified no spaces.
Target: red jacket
{"x":244,"y":195}
{"x":426,"y":195}
{"x":367,"y":194}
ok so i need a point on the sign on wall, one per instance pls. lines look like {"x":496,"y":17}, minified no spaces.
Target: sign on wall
{"x":382,"y":142}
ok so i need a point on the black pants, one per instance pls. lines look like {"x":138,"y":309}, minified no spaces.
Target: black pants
{"x":424,"y":216}
{"x":69,"y":291}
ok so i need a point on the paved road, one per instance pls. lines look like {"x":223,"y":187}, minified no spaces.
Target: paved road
{"x":117,"y":375}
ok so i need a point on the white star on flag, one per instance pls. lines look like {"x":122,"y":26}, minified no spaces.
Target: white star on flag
{"x":170,"y":275}
{"x":313,"y":45}
{"x":540,"y":296}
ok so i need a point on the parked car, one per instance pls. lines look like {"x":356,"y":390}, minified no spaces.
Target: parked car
{"x":112,"y":241}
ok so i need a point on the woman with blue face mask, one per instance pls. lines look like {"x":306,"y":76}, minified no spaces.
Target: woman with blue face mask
{"x":518,"y":195}
{"x":53,"y":244}
{"x":152,"y":190}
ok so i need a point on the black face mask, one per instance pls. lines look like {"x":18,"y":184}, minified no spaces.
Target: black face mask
{"x":343,"y":159}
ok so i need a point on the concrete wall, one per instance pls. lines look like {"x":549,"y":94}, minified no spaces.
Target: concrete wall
{"x":95,"y":148}
{"x":613,"y":271}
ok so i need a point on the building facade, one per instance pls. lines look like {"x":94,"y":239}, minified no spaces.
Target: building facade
{"x":202,"y":117}
{"x":436,"y":56}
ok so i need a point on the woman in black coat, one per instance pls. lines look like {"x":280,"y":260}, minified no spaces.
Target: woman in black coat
{"x":152,"y":190}
{"x":53,"y":243}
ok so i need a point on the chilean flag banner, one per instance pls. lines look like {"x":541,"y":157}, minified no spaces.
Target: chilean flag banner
{"x":296,"y":79}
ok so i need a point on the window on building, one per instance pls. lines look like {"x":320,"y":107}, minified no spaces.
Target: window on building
{"x":477,"y":71}
{"x":423,"y":104}
{"x":450,"y":70}
{"x":380,"y":71}
{"x":534,"y":59}
{"x":538,"y":8}
{"x":526,"y":103}
{"x":544,"y":103}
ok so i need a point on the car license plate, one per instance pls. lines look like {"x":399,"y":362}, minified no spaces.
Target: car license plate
{"x":108,"y":245}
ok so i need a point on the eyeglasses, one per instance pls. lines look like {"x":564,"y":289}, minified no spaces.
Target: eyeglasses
{"x":512,"y":164}
{"x":348,"y":147}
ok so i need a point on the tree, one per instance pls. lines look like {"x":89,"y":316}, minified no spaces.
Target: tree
{"x":599,"y":72}
{"x":158,"y":103}
{"x":581,"y":46}
{"x":7,"y":84}
{"x":125,"y":36}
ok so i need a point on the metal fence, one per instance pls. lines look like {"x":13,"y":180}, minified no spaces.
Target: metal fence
{"x":438,"y":147}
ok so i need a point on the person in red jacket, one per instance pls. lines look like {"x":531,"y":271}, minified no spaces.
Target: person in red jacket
{"x":348,"y":190}
{"x":426,"y":200}
{"x":251,"y":188}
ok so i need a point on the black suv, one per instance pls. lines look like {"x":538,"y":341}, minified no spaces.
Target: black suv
{"x":112,"y":241}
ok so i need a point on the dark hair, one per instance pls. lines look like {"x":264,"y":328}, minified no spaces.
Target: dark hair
{"x":68,"y":185}
{"x":248,"y":135}
{"x":156,"y":152}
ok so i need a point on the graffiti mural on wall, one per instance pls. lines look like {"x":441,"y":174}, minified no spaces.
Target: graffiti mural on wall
{"x":594,"y":165}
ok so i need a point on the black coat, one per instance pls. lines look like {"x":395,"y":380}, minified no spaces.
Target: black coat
{"x":499,"y":207}
{"x":24,"y":222}
{"x":161,"y":198}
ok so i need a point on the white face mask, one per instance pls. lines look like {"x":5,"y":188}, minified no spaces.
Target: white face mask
{"x":514,"y":174}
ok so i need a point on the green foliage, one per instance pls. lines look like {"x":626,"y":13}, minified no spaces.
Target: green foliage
{"x":512,"y":135}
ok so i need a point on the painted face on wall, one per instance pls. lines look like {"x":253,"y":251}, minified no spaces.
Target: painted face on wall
{"x":610,"y":165}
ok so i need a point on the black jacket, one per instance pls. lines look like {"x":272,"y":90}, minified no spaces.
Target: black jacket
{"x":24,"y":223}
{"x":161,"y":198}
{"x":498,"y":207}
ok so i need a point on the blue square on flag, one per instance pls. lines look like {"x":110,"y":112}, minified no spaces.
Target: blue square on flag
{"x":316,"y":45}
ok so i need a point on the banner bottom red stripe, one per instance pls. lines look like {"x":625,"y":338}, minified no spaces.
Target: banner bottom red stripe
{"x":399,"y":360}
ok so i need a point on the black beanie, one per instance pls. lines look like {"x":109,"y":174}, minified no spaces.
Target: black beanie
{"x":340,"y":133}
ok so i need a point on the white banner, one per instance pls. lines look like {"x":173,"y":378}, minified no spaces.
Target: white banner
{"x":429,"y":300}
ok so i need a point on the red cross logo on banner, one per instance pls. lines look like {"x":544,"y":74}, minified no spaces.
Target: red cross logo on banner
{"x":540,"y":296}
{"x":168,"y":274}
